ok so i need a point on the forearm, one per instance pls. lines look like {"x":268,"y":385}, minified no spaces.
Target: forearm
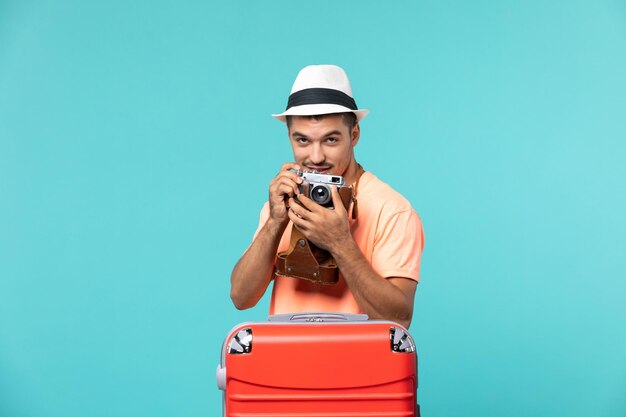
{"x":253,"y":272}
{"x":377,"y":296}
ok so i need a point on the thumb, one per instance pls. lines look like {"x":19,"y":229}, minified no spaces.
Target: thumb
{"x":337,"y":201}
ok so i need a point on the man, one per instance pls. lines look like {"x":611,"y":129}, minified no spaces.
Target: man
{"x":377,"y":252}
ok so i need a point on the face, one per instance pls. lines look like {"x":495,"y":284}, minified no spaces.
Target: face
{"x":325,"y":145}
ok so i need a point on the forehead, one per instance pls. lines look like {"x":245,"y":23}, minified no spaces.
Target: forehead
{"x":318,"y":124}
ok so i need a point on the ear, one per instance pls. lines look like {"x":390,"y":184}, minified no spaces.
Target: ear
{"x":355,"y":134}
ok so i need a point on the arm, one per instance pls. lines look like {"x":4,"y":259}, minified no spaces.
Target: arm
{"x":253,"y":273}
{"x":389,"y":298}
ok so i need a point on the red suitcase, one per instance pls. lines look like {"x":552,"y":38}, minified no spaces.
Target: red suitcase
{"x":319,"y":365}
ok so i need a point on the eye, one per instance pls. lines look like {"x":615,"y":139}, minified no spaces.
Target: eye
{"x":302,"y":141}
{"x":331,"y":140}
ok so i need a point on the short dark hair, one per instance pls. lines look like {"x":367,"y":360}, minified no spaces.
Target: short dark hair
{"x":349,"y":119}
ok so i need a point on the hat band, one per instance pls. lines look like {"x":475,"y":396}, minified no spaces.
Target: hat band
{"x":321,"y":96}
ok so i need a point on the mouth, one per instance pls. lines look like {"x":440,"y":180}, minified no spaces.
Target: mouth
{"x":321,"y":170}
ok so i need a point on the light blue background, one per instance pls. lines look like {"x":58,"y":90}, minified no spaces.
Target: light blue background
{"x":136,"y":148}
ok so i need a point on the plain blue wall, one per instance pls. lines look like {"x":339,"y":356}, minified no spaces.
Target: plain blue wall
{"x":136,"y":148}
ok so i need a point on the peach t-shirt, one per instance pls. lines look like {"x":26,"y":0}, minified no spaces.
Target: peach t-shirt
{"x":389,"y":233}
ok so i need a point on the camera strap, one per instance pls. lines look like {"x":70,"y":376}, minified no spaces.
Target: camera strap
{"x":354,"y":212}
{"x":306,"y":261}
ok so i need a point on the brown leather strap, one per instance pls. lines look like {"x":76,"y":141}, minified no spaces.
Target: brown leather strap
{"x":355,"y":187}
{"x":307,"y":261}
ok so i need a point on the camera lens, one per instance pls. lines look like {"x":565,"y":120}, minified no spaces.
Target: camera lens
{"x":320,"y":194}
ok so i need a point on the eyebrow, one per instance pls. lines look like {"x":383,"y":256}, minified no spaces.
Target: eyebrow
{"x":331,"y":133}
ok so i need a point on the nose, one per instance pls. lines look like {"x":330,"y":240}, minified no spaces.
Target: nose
{"x":317,"y":154}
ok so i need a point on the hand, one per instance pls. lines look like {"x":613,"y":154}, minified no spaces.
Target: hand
{"x":327,"y":229}
{"x":283,"y":186}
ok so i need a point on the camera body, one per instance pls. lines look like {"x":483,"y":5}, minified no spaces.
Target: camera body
{"x":317,"y":187}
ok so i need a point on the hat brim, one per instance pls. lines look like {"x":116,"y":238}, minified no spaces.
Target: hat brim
{"x":319,"y":109}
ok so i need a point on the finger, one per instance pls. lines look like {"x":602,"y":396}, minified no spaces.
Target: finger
{"x":299,"y":222}
{"x":308,"y":203}
{"x":290,"y":165}
{"x":284,"y":187}
{"x":297,"y":208}
{"x":286,"y":190}
{"x":290,"y":175}
{"x":337,"y":201}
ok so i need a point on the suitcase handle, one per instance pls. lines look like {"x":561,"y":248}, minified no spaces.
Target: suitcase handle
{"x":317,"y":317}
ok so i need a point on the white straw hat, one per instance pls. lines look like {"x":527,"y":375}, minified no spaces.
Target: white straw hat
{"x":321,"y":89}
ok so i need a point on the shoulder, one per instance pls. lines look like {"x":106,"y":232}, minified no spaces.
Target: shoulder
{"x":374,"y":194}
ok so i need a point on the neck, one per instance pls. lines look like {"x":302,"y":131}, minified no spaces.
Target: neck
{"x":352,"y":173}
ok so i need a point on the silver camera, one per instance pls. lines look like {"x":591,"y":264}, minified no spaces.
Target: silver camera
{"x":316,"y":186}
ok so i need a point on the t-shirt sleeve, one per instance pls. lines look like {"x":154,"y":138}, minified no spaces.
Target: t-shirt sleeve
{"x":265,"y":214}
{"x":398,"y":246}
